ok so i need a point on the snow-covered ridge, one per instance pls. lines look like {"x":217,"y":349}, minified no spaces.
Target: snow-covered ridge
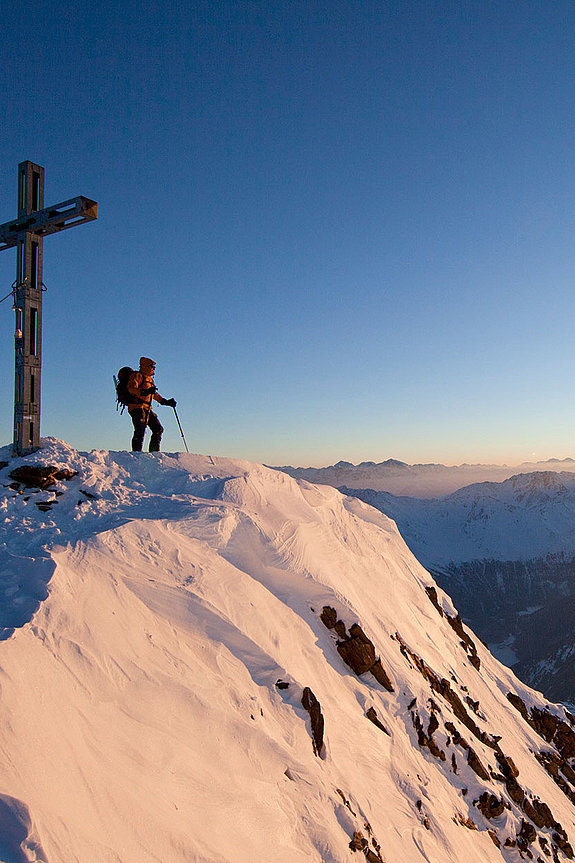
{"x":181,"y":685}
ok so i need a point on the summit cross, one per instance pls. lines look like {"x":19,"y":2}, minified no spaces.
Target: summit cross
{"x":26,"y":234}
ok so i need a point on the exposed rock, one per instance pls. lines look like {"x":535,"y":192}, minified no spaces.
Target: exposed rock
{"x":506,"y":764}
{"x":515,"y":790}
{"x":456,"y":624}
{"x":357,"y":651}
{"x":457,"y":738}
{"x":465,"y":822}
{"x":433,"y":724}
{"x":539,"y":812}
{"x":359,"y":842}
{"x":443,"y":687}
{"x":473,"y":704}
{"x":372,"y":716}
{"x":453,"y":762}
{"x":426,"y":740}
{"x":340,"y":629}
{"x":346,"y":802}
{"x":489,"y":805}
{"x":526,"y":835}
{"x":282,"y":684}
{"x":313,"y":707}
{"x":518,"y":704}
{"x":494,"y":838}
{"x":328,"y":616}
{"x":476,"y":764}
{"x":557,"y":732}
{"x":381,"y":675}
{"x":40,"y":476}
{"x":432,"y":594}
{"x":568,"y":772}
{"x":560,"y":839}
{"x":4,"y":464}
{"x":546,"y":724}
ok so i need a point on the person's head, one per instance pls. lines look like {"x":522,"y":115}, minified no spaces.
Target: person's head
{"x":147,"y":366}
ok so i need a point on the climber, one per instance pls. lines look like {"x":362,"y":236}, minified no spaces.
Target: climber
{"x":141,"y":390}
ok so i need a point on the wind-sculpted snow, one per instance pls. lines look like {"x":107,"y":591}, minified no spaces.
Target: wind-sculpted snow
{"x":189,"y":685}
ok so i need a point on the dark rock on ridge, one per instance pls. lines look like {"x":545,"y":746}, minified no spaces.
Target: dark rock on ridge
{"x":313,"y":707}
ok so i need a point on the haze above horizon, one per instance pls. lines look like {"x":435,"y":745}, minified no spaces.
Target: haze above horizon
{"x":343,"y":231}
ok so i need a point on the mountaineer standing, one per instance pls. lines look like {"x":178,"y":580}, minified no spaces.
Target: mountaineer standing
{"x":140,"y":392}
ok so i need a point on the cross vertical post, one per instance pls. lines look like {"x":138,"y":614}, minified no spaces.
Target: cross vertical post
{"x":26,"y":234}
{"x":28,"y":309}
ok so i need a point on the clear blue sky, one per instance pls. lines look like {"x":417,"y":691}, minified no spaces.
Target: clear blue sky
{"x":342,"y":229}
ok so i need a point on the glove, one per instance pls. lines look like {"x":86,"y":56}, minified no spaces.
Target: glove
{"x":149,"y":391}
{"x":169,"y":403}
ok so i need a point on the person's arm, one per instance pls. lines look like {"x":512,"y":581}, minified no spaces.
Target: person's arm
{"x":134,"y":384}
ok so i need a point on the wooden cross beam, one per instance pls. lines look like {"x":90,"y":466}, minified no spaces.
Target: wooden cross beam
{"x":27,"y":233}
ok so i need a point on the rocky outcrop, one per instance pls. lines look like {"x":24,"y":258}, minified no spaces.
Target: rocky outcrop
{"x":425,"y":738}
{"x":313,"y":707}
{"x":372,"y":716}
{"x":330,"y":619}
{"x":456,"y":624}
{"x":443,"y":687}
{"x":360,"y":843}
{"x":356,"y":649}
{"x":40,"y":476}
{"x":489,"y":805}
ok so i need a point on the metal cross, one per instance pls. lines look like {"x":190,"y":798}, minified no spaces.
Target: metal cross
{"x":27,"y":233}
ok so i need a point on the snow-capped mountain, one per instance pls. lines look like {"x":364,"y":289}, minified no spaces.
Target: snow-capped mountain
{"x":526,"y":516}
{"x":206,"y":660}
{"x":506,"y":553}
{"x":419,"y":480}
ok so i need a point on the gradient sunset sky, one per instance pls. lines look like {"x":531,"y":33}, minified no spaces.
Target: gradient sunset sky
{"x":344,"y":230}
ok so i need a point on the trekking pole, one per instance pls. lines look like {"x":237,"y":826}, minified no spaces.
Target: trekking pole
{"x":180,"y":427}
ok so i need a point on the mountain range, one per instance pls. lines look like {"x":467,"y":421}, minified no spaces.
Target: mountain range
{"x":206,"y":660}
{"x":419,"y":480}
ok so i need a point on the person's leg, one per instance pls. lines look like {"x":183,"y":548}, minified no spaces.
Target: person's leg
{"x":139,"y":421}
{"x":156,"y":428}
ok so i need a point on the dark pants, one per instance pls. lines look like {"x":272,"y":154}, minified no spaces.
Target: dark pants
{"x":139,"y":416}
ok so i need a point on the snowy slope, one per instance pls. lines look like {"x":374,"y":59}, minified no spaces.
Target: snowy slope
{"x":154,"y":609}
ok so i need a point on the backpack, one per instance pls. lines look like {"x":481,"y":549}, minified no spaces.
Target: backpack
{"x":123,"y":397}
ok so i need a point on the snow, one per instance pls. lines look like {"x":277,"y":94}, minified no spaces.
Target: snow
{"x":527,"y":516}
{"x":148,"y":616}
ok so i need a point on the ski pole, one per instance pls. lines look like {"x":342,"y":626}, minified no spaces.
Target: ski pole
{"x":180,"y":427}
